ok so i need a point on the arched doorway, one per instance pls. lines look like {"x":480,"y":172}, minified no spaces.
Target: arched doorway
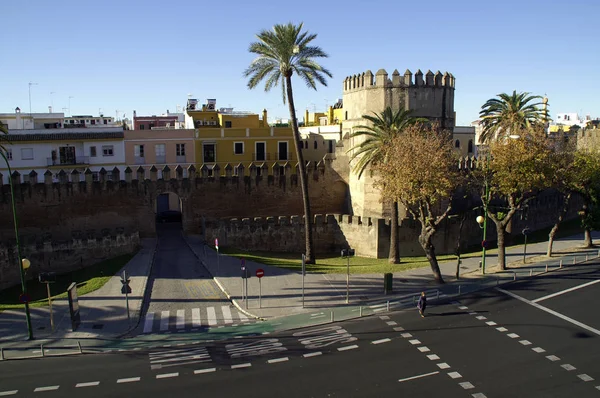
{"x":168,"y":209}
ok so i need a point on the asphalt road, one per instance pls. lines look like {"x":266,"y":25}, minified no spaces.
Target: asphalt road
{"x":495,"y":343}
{"x":183,"y":294}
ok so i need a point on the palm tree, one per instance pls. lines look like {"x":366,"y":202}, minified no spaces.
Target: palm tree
{"x":510,"y":114}
{"x":382,"y":128}
{"x":280,"y":53}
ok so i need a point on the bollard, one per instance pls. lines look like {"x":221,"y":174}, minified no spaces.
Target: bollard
{"x":586,"y":257}
{"x":360,"y":311}
{"x":560,"y":264}
{"x":1,"y":354}
{"x":574,"y":260}
{"x":598,"y":253}
{"x":546,"y":267}
{"x":42,"y":349}
{"x":332,"y":316}
{"x":531,"y":272}
{"x":514,"y":276}
{"x":387,"y":306}
{"x":459,"y":290}
{"x":79,"y":345}
{"x":437,"y":294}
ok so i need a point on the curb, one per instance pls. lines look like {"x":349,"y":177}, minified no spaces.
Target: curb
{"x":234,"y":302}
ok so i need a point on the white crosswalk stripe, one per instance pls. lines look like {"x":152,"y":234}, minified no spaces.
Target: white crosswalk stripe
{"x":192,"y":318}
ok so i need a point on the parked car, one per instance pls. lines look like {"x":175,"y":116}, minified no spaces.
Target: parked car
{"x":168,"y":216}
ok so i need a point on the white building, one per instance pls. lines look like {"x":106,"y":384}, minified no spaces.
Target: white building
{"x":78,"y":121}
{"x":32,"y":153}
{"x":570,"y":119}
{"x":29,"y":121}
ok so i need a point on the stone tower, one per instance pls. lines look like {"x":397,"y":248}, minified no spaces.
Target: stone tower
{"x":430,"y":96}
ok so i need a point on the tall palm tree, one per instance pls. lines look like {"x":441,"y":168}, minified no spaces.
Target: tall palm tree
{"x":280,"y":53}
{"x":510,"y":114}
{"x":382,"y":128}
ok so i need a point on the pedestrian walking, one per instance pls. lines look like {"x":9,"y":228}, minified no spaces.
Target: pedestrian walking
{"x":422,"y":304}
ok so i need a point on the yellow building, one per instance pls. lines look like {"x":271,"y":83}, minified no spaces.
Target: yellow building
{"x":208,"y":116}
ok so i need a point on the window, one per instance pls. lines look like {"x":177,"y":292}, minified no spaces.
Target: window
{"x":159,"y":150}
{"x":238,"y":148}
{"x":208,"y":152}
{"x":93,"y":121}
{"x":315,"y":144}
{"x":228,"y":123}
{"x":139,"y":151}
{"x":457,"y":144}
{"x":9,"y":154}
{"x":150,"y":126}
{"x":107,"y":150}
{"x":282,"y":147}
{"x":470,"y":147}
{"x":141,"y":126}
{"x":106,"y":122}
{"x":180,"y":149}
{"x":95,"y":176}
{"x":330,"y":144}
{"x":26,"y":153}
{"x":93,"y":151}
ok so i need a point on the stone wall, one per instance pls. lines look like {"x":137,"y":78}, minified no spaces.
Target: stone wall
{"x":59,"y":209}
{"x":82,"y":250}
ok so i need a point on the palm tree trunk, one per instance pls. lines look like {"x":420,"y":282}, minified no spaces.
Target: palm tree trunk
{"x":308,"y":233}
{"x":561,"y":216}
{"x":425,"y":241}
{"x":394,"y":256}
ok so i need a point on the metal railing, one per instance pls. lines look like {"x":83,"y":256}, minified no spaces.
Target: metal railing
{"x":59,"y":162}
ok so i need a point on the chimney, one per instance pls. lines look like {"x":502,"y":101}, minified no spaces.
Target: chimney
{"x":134,"y":114}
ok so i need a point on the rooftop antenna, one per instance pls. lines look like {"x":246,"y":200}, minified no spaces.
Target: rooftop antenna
{"x":70,"y":105}
{"x":117,"y":115}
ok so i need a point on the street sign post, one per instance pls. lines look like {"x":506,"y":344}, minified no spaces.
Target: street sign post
{"x":259,"y":274}
{"x":347,"y":253}
{"x":303,"y":273}
{"x":218,"y":260}
{"x":243,"y":273}
{"x":126,"y":289}
{"x":48,"y":278}
{"x":525,"y":233}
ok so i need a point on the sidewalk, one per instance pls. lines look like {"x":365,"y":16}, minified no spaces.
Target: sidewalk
{"x":281,"y":289}
{"x":103,"y":312}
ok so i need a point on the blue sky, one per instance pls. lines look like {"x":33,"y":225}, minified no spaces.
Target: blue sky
{"x":147,"y":56}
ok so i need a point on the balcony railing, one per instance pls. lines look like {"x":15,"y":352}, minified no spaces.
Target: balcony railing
{"x":283,"y":156}
{"x":261,"y":156}
{"x":59,"y":162}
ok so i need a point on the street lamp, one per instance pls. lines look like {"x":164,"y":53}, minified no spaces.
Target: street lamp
{"x":23,"y":262}
{"x":482,"y":220}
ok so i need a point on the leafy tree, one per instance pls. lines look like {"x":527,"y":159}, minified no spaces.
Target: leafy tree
{"x":586,"y":182}
{"x":280,"y":53}
{"x":420,"y":171}
{"x":377,"y":134}
{"x":518,"y":170}
{"x":509,"y":115}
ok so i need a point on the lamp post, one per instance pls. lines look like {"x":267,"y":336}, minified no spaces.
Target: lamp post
{"x":482,"y":220}
{"x":23,"y":262}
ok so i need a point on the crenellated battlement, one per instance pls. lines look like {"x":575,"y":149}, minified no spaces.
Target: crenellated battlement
{"x":319,"y":220}
{"x":367,"y":79}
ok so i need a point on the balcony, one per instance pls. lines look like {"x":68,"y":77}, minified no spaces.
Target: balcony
{"x":261,"y":156}
{"x":283,"y":156}
{"x":61,"y":162}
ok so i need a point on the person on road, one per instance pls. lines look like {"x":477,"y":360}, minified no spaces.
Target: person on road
{"x":422,"y":304}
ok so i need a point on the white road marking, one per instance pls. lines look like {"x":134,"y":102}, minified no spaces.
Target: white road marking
{"x":463,"y":307}
{"x":414,"y":342}
{"x":89,"y":384}
{"x":164,"y":320}
{"x":513,"y":335}
{"x":597,"y":387}
{"x":196,"y":320}
{"x":568,"y":367}
{"x":472,"y":313}
{"x":406,"y":335}
{"x":553,"y":358}
{"x":212,"y":316}
{"x":49,"y":388}
{"x":180,"y":322}
{"x":277,"y":360}
{"x":481,"y":317}
{"x":548,"y":310}
{"x":128,"y":380}
{"x":399,"y":329}
{"x":455,"y":375}
{"x":348,"y":347}
{"x":243,"y":317}
{"x":539,"y":350}
{"x":384,"y":317}
{"x":7,"y":393}
{"x":391,"y":323}
{"x":200,"y":371}
{"x":241,"y":365}
{"x":433,"y":357}
{"x":148,"y":322}
{"x":312,"y":354}
{"x":443,"y":365}
{"x":525,"y":342}
{"x":423,"y":349}
{"x":381,"y":341}
{"x":478,"y":395}
{"x":466,"y":385}
{"x":585,"y":377}
{"x":226,"y":314}
{"x":565,"y":291}
{"x":419,"y":376}
{"x":491,"y":323}
{"x":167,"y":375}
{"x":502,"y":329}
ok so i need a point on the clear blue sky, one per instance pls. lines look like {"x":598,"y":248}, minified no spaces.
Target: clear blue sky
{"x":147,"y":56}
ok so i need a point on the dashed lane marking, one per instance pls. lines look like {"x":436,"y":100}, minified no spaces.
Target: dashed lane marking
{"x":391,"y":323}
{"x":454,"y":375}
{"x":406,"y":335}
{"x":88,"y":384}
{"x":513,"y":335}
{"x":463,"y":307}
{"x":200,"y":371}
{"x":585,"y":377}
{"x":481,"y":317}
{"x":491,"y":323}
{"x":48,"y":388}
{"x":129,"y":380}
{"x":553,"y":358}
{"x":423,"y":349}
{"x":539,"y":350}
{"x":381,"y":341}
{"x":399,"y":329}
{"x":384,"y":317}
{"x":443,"y":365}
{"x":433,"y":357}
{"x":502,"y":329}
{"x":7,"y":393}
{"x":568,"y":367}
{"x":277,"y":360}
{"x":348,"y":347}
{"x":466,"y":385}
{"x":312,"y":354}
{"x":478,"y":395}
{"x":241,"y":365}
{"x":525,"y":342}
{"x":167,"y":375}
{"x":414,"y":342}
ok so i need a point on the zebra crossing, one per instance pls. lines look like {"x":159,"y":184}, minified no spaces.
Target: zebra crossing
{"x":194,"y":318}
